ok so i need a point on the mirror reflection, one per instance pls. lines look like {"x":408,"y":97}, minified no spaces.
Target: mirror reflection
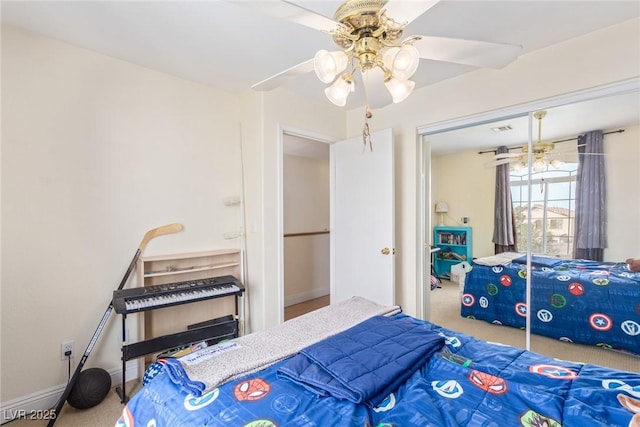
{"x":578,"y":307}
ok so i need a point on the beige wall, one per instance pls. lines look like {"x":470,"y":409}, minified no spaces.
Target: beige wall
{"x":306,"y":194}
{"x":467,"y":186}
{"x":95,"y":152}
{"x":623,"y":175}
{"x":306,"y":209}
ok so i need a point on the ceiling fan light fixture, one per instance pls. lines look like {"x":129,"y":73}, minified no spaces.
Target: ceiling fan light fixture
{"x":370,"y":41}
{"x":399,"y":89}
{"x":518,"y":166}
{"x":328,"y":65}
{"x":539,"y":165}
{"x":402,"y":61}
{"x":557,"y":164}
{"x":340,"y":89}
{"x":539,"y":150}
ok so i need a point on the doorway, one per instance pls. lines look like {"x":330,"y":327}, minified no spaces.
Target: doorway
{"x":354,"y":212}
{"x":305,"y":219}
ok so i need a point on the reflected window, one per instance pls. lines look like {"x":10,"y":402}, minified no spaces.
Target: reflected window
{"x":552,"y":209}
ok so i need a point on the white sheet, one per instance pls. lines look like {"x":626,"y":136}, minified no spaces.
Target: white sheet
{"x":212,"y":366}
{"x":500,"y":259}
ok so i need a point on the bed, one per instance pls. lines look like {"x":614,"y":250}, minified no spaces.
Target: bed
{"x":587,"y":302}
{"x":379,"y":367}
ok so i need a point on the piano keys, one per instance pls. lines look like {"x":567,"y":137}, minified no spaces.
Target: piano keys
{"x":145,"y":298}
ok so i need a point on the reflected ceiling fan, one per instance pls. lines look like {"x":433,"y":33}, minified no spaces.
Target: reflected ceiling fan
{"x":372,"y":51}
{"x":543,"y":154}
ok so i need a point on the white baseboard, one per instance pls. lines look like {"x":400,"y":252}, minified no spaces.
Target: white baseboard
{"x":305,"y":296}
{"x":44,"y":400}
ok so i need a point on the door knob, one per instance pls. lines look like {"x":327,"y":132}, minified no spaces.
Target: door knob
{"x":385,"y":251}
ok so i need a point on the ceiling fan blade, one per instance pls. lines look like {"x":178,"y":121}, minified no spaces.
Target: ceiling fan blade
{"x":499,"y":162}
{"x":565,"y":146}
{"x":284,"y":76}
{"x":500,"y":156}
{"x":468,"y":52}
{"x":403,"y":11}
{"x":292,"y":12}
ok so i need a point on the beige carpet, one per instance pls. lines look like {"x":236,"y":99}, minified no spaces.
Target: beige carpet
{"x":104,"y":415}
{"x":445,"y":306}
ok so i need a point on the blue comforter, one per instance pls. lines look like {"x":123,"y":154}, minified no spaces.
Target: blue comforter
{"x":469,"y":382}
{"x":587,"y":302}
{"x":365,"y":363}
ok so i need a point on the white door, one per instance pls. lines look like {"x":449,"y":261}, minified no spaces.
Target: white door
{"x":362,"y":219}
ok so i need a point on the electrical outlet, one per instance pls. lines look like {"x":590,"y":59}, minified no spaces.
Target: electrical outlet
{"x":65,"y":347}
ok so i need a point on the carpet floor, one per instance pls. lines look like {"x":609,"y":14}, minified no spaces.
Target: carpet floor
{"x":103,"y":415}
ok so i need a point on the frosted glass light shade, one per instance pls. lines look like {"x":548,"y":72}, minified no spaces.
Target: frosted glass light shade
{"x":518,"y":166}
{"x":556,"y":164}
{"x":539,"y":165}
{"x":402,"y":61}
{"x":399,"y":89}
{"x":328,"y":65}
{"x":340,"y":89}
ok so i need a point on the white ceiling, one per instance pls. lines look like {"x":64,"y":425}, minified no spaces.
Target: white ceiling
{"x":232,"y":45}
{"x":567,"y":121}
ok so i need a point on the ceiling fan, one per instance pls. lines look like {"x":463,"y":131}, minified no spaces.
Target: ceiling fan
{"x":543,"y":154}
{"x":368,"y":33}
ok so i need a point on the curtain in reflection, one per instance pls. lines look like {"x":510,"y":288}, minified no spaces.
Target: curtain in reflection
{"x":504,"y":224}
{"x":591,"y":209}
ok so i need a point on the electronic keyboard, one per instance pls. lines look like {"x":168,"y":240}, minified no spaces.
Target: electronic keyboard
{"x":145,"y":298}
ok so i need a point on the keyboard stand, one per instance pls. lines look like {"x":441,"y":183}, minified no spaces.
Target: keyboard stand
{"x":215,"y":330}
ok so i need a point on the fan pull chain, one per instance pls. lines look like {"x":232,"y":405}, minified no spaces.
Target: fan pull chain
{"x":366,"y":133}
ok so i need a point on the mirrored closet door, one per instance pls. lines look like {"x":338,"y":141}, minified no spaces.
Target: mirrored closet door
{"x":582,"y":209}
{"x":462,"y":178}
{"x":542,"y":158}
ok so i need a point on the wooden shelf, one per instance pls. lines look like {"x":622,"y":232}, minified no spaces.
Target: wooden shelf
{"x":191,"y":270}
{"x":174,"y":268}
